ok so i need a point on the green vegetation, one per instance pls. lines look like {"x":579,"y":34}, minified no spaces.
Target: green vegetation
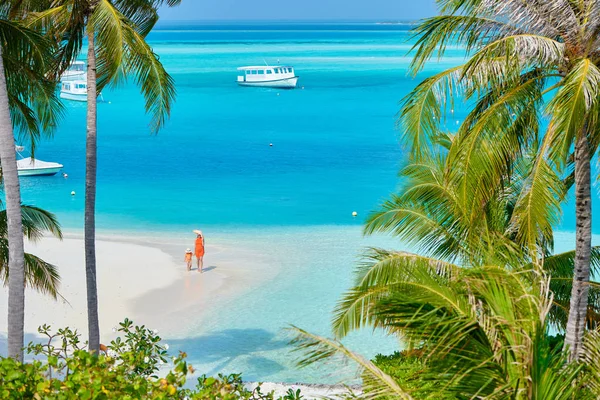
{"x":129,"y":370}
{"x":485,"y":288}
{"x":28,"y":105}
{"x":117,"y":50}
{"x":474,"y":305}
{"x":404,"y":366}
{"x":39,"y":274}
{"x":532,"y":80}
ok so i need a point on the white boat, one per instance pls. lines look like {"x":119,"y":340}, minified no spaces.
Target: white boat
{"x":74,"y":90}
{"x":28,"y":166}
{"x":268,"y":76}
{"x":76,"y":72}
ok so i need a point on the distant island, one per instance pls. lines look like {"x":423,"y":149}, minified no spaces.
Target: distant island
{"x":406,"y":23}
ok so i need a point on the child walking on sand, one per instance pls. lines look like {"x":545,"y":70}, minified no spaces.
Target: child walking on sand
{"x":188,"y":259}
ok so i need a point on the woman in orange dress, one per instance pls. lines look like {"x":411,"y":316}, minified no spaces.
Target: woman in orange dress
{"x":199,"y":250}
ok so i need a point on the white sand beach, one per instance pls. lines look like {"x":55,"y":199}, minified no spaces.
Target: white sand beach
{"x":143,"y":279}
{"x":135,"y":281}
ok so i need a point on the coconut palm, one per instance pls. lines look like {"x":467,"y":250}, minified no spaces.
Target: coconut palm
{"x":431,"y":215}
{"x":116,"y":48}
{"x":483,"y":332}
{"x":27,"y":102}
{"x":476,"y":302}
{"x":525,"y":60}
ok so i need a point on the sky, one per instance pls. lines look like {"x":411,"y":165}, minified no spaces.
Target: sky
{"x":300,"y":10}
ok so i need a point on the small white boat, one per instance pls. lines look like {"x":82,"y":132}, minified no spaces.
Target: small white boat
{"x":268,"y":76}
{"x":76,"y":72}
{"x":74,"y":90}
{"x":28,"y":166}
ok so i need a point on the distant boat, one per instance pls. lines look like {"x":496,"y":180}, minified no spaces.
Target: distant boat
{"x":28,"y":166}
{"x":74,"y":90}
{"x":76,"y":72}
{"x":268,"y":76}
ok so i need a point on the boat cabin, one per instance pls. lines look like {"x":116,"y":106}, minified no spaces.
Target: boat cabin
{"x":75,"y":87}
{"x":77,"y":66}
{"x":265,"y":73}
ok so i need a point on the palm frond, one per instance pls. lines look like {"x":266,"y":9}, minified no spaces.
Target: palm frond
{"x":560,"y":267}
{"x":469,"y":30}
{"x":424,"y":107}
{"x":538,"y":207}
{"x":39,"y":274}
{"x":376,"y":383}
{"x":143,"y":13}
{"x":157,"y":86}
{"x":591,"y":357}
{"x":28,"y":60}
{"x":384,"y":273}
{"x":108,"y":26}
{"x":570,"y":108}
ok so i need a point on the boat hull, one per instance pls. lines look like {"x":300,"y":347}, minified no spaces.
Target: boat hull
{"x":32,"y":167}
{"x":40,"y":171}
{"x":286,"y":83}
{"x":74,"y":97}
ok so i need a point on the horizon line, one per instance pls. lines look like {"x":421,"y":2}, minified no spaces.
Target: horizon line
{"x":283,"y":20}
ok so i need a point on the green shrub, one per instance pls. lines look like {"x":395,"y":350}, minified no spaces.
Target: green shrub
{"x":129,"y":370}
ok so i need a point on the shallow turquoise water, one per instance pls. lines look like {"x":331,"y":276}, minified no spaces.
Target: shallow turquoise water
{"x":334,"y":147}
{"x":335,"y":150}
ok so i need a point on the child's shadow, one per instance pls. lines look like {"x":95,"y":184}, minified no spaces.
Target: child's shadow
{"x":208,"y":268}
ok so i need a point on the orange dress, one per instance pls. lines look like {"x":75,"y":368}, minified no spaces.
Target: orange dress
{"x":188,"y":257}
{"x":199,"y":247}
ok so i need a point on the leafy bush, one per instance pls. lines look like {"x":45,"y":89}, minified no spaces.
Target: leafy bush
{"x":129,"y":370}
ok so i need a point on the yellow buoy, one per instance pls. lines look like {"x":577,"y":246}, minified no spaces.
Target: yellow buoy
{"x":354,"y":213}
{"x":73,"y":193}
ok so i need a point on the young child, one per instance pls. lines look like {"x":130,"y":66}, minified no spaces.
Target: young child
{"x":188,"y":259}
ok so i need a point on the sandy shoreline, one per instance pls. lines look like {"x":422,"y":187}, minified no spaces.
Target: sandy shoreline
{"x":137,"y":279}
{"x":230,"y":319}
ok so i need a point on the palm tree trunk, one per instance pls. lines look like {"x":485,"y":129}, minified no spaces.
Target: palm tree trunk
{"x":16,"y":257}
{"x":583,"y":237}
{"x":90,"y":199}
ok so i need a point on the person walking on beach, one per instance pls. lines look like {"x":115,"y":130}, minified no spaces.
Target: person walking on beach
{"x":188,"y":259}
{"x":199,"y":250}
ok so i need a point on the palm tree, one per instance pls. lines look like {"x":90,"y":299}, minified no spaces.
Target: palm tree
{"x":479,"y":228}
{"x":526,"y":60}
{"x":29,"y":103}
{"x":483,"y":332}
{"x":478,"y":304}
{"x":115,"y":32}
{"x":39,"y":274}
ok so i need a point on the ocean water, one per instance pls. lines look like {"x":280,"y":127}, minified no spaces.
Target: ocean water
{"x":335,"y":150}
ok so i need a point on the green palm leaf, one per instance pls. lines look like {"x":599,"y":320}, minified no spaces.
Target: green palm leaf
{"x":376,"y":383}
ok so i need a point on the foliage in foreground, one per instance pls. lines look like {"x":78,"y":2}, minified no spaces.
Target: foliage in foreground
{"x":130,"y":369}
{"x":483,"y":331}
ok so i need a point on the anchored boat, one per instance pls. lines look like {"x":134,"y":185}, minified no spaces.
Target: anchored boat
{"x":268,"y":76}
{"x":28,"y":166}
{"x":74,"y":90}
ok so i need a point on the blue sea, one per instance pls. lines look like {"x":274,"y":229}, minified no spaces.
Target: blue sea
{"x":334,"y":150}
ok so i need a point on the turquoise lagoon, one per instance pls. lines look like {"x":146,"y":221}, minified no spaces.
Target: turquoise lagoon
{"x":335,"y":150}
